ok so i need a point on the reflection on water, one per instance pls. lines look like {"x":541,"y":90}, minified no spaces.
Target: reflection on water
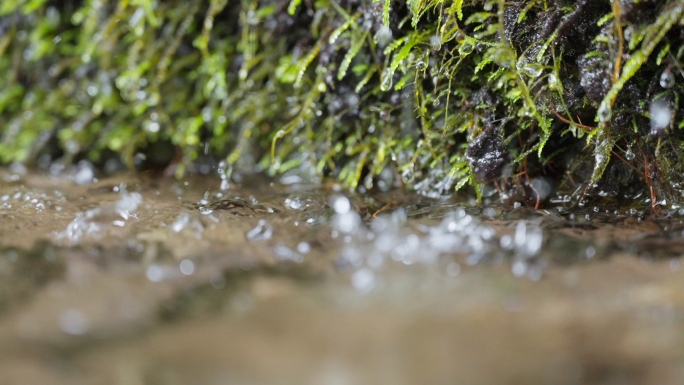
{"x":156,"y":281}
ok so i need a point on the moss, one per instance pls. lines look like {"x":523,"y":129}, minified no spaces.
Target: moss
{"x":440,"y":95}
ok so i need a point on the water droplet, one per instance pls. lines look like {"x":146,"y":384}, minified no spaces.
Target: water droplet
{"x":85,"y":173}
{"x":590,"y":252}
{"x":386,"y":79}
{"x":667,"y":79}
{"x":186,"y":221}
{"x":340,"y":204}
{"x":303,"y":248}
{"x":605,"y":112}
{"x":436,"y":42}
{"x":466,"y":48}
{"x":187,"y":267}
{"x":629,"y":154}
{"x":661,"y":115}
{"x":347,"y":222}
{"x":294,"y":203}
{"x":363,"y":280}
{"x":383,"y":36}
{"x":262,"y":231}
{"x":533,"y":70}
{"x":553,"y":81}
{"x":519,"y":268}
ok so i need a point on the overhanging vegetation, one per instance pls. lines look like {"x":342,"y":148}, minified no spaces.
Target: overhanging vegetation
{"x":511,"y":97}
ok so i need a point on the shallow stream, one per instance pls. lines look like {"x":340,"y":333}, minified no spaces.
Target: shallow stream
{"x":139,"y":280}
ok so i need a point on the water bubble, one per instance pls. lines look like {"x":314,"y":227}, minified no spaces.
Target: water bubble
{"x":667,"y":79}
{"x":262,"y":231}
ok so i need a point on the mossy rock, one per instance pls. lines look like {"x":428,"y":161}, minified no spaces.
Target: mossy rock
{"x":533,"y":97}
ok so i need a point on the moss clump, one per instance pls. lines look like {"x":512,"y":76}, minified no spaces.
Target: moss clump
{"x":526,"y":95}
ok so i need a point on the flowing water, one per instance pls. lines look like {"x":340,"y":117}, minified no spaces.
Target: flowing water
{"x":138,"y":280}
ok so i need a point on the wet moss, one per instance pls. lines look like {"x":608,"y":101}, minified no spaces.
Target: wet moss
{"x":584,"y":94}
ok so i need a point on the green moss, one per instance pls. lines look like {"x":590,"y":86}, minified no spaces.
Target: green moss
{"x":442,"y":94}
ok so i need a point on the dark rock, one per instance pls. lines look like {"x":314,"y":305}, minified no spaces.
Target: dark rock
{"x":487,"y":155}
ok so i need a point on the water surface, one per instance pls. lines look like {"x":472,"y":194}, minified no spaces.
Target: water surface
{"x":138,"y":280}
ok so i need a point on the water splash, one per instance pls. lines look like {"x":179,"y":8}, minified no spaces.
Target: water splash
{"x":263,"y":231}
{"x":94,"y":221}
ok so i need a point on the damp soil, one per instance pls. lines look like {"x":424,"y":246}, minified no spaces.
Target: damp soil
{"x":136,"y":280}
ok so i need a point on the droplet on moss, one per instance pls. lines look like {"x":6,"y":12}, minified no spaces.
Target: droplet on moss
{"x":667,"y":79}
{"x":386,"y":79}
{"x":436,"y":42}
{"x":604,"y":112}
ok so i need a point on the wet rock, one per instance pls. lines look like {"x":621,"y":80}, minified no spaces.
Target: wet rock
{"x":595,"y":77}
{"x":487,"y":155}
